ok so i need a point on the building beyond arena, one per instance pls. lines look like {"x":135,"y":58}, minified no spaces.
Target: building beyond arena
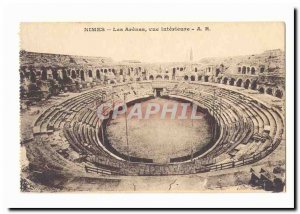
{"x":62,"y":137}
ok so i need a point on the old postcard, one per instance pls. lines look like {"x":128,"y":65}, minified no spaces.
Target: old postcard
{"x":152,"y":107}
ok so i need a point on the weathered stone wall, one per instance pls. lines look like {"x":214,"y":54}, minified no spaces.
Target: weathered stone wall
{"x":263,"y":72}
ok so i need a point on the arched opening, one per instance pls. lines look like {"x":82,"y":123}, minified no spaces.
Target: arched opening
{"x":121,"y":72}
{"x":174,"y":73}
{"x":64,"y":75}
{"x":73,"y":74}
{"x":186,"y":77}
{"x":32,"y":76}
{"x":254,"y":85}
{"x":69,"y":72}
{"x":206,"y":78}
{"x":239,"y":83}
{"x":225,"y":80}
{"x":262,"y":69}
{"x":44,"y":75}
{"x":166,"y":77}
{"x":55,"y":75}
{"x":151,"y":77}
{"x":193,"y":78}
{"x":248,"y":70}
{"x":231,"y":82}
{"x":82,"y":75}
{"x":246,"y":84}
{"x":98,"y":74}
{"x":218,"y":72}
{"x":261,"y":90}
{"x":199,"y":78}
{"x":252,"y":70}
{"x":239,"y":69}
{"x":105,"y":71}
{"x":244,"y":70}
{"x":279,"y":93}
{"x":196,"y":69}
{"x":158,"y":77}
{"x":269,"y":91}
{"x":90,"y":73}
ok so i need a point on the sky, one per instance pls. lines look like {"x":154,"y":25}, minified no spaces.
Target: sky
{"x":223,"y":39}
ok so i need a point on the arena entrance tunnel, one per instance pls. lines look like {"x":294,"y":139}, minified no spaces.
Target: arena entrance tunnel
{"x":158,"y":92}
{"x":151,"y":140}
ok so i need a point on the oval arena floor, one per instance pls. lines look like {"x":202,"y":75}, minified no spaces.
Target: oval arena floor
{"x":159,"y":138}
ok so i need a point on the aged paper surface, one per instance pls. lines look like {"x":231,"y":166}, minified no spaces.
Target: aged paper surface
{"x":152,"y":107}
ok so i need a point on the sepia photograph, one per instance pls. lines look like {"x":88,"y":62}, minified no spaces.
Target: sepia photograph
{"x":152,"y":107}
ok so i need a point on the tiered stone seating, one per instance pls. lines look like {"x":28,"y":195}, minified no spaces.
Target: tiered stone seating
{"x":241,"y":124}
{"x":259,"y":116}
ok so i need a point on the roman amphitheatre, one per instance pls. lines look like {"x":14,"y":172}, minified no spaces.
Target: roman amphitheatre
{"x":237,"y":145}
